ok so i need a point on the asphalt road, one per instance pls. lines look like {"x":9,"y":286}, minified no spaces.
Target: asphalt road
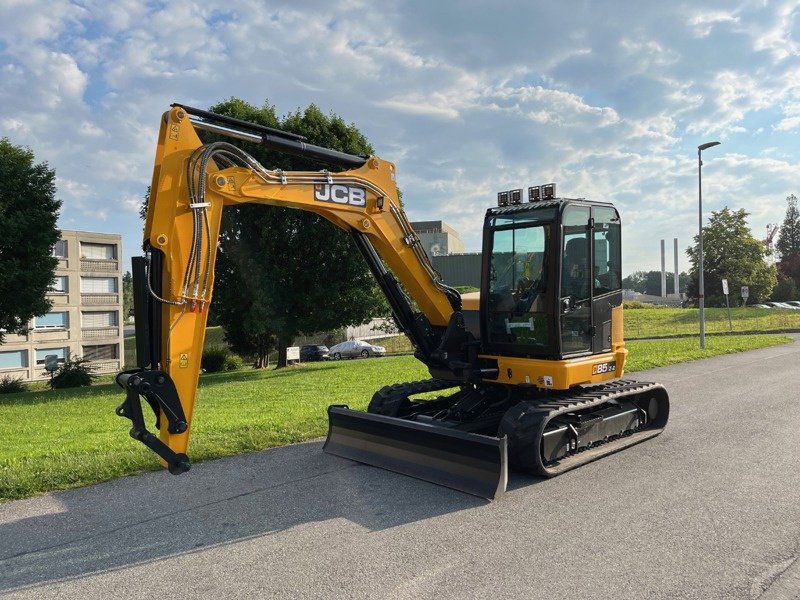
{"x":709,"y":509}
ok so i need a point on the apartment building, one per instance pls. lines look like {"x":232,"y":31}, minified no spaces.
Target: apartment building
{"x":86,"y":317}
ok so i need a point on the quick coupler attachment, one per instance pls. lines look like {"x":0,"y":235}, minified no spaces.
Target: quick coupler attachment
{"x":159,"y":391}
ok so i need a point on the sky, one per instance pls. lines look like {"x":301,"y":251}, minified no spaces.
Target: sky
{"x":607,"y":99}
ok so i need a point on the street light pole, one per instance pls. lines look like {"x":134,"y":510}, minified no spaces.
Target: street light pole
{"x":701,"y":284}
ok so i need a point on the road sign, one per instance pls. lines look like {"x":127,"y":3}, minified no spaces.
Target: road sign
{"x":727,"y":302}
{"x":745,"y":292}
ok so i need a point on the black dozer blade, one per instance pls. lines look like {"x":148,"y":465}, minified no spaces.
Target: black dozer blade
{"x":472,"y":463}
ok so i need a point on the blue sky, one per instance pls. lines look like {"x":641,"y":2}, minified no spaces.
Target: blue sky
{"x":608,"y":99}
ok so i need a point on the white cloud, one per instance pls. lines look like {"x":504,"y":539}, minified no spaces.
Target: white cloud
{"x":791,"y":117}
{"x":610,"y":103}
{"x":704,"y":22}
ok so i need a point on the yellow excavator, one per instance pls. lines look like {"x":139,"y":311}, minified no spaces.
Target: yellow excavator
{"x":525,"y":374}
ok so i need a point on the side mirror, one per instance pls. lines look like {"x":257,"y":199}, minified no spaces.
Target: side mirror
{"x":567,"y":305}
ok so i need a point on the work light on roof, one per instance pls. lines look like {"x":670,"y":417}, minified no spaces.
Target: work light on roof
{"x":510,"y":197}
{"x":541,"y":192}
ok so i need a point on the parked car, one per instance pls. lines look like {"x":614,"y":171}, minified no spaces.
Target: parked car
{"x":313,"y":352}
{"x":781,"y":305}
{"x":761,"y":306}
{"x":354,"y":349}
{"x":795,"y":303}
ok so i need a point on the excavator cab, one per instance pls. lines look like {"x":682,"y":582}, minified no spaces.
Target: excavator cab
{"x":550,"y":279}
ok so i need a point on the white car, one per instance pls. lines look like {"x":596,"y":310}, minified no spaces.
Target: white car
{"x":782,"y":305}
{"x":354,"y":349}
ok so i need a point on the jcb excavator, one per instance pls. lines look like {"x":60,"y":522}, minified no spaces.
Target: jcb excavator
{"x":530,"y":369}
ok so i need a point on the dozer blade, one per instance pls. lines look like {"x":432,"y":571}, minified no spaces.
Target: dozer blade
{"x":472,"y":463}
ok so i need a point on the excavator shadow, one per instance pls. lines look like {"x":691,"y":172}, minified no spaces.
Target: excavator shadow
{"x":140,"y":519}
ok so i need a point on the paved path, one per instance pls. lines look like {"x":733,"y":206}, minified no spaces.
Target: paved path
{"x":709,"y":509}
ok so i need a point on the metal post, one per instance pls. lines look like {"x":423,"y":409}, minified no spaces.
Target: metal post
{"x":701,"y":283}
{"x":677,"y":281}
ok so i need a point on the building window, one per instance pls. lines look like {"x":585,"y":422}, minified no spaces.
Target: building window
{"x":60,"y":353}
{"x":98,"y":251}
{"x":98,"y":285}
{"x":102,"y":352}
{"x":16,"y":359}
{"x":53,"y":320}
{"x":59,"y":285}
{"x":97,"y":319}
{"x":60,"y":249}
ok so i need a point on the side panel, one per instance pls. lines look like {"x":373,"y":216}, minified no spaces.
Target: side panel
{"x":559,"y":374}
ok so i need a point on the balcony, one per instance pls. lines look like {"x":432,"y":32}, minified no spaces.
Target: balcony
{"x":98,"y":299}
{"x":94,"y":333}
{"x":58,"y":298}
{"x":99,"y":265}
{"x":106,"y":366}
{"x":51,"y":334}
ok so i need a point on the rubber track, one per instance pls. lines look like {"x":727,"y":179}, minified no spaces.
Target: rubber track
{"x":390,"y":399}
{"x":524,"y":424}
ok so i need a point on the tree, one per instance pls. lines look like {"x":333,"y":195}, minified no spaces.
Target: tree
{"x":785,"y":290}
{"x":636,"y":281}
{"x":28,"y":216}
{"x":649,"y":282}
{"x":283,"y":272}
{"x":246,"y":321}
{"x":789,"y":268}
{"x":730,"y":252}
{"x":127,"y":295}
{"x":788,"y":244}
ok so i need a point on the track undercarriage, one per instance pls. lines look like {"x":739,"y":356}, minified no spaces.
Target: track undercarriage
{"x":468,"y":438}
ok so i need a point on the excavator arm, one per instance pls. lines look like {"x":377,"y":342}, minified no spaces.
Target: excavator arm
{"x":192,"y":183}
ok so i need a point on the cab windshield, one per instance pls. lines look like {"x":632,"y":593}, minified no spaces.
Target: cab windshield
{"x":519,"y":299}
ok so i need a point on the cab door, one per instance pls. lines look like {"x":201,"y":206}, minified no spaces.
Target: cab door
{"x":576,"y":290}
{"x":607,"y":277}
{"x":591,"y":277}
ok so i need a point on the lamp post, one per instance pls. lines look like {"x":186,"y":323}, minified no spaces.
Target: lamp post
{"x":701,"y":284}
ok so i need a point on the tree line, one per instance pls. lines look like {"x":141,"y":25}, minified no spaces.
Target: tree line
{"x":731,"y":252}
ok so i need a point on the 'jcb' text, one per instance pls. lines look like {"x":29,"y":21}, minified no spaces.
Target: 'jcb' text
{"x":340,"y":194}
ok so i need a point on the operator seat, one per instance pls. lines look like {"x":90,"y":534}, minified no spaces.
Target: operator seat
{"x":575,"y":269}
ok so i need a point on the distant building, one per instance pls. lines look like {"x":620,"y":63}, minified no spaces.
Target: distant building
{"x":438,"y":238}
{"x":459,"y":269}
{"x":446,"y":251}
{"x":86,"y":317}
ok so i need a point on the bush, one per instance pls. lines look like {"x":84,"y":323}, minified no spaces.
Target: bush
{"x":634,"y":304}
{"x":215,"y":359}
{"x":11,"y":386}
{"x":75,"y":372}
{"x":234,"y":362}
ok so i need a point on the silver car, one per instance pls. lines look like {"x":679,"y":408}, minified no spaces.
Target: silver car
{"x":354,"y":349}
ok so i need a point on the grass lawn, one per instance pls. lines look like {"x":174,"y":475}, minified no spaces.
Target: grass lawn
{"x":67,"y":438}
{"x":656,"y":322}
